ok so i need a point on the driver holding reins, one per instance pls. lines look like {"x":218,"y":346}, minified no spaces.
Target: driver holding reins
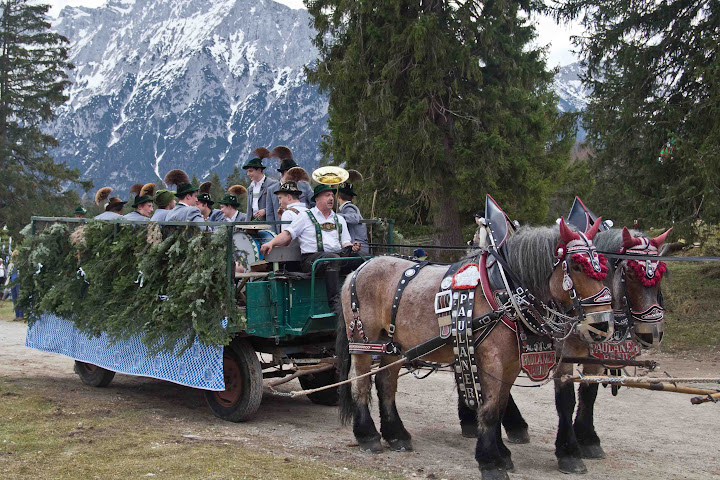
{"x":322,"y":234}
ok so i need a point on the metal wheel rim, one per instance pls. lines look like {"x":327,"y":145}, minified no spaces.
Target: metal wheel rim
{"x":233,"y":383}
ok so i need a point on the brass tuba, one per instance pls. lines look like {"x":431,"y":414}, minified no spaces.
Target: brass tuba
{"x":330,"y":175}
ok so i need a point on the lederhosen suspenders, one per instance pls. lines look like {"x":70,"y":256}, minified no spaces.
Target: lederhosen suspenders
{"x":297,"y":212}
{"x":318,"y":230}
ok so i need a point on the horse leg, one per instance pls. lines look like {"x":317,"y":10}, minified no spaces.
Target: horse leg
{"x":391,"y":426}
{"x":363,"y":426}
{"x":584,"y":429}
{"x":468,"y":419}
{"x":502,"y":448}
{"x":567,"y":449}
{"x":515,"y":425}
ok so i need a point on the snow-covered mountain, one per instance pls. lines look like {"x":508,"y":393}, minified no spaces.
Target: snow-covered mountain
{"x":572,"y":94}
{"x":194,"y":84}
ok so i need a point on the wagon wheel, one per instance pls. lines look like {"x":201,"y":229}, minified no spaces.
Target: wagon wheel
{"x":243,"y":384}
{"x":316,"y":380}
{"x":93,"y":375}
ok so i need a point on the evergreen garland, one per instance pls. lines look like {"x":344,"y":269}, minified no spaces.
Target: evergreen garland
{"x":125,"y":280}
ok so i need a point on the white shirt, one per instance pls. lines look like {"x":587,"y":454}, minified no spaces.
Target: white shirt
{"x":289,"y":215}
{"x":304,"y":229}
{"x":255,"y":187}
{"x":232,"y":219}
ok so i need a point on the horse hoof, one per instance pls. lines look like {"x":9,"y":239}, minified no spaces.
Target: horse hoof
{"x":399,"y":445}
{"x":518,"y":436}
{"x":494,"y":474}
{"x":571,"y":465}
{"x":592,"y":451}
{"x":469,"y":431}
{"x":508,"y":464}
{"x":371,"y":446}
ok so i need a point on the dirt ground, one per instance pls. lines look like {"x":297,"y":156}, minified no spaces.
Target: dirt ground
{"x":647,"y":435}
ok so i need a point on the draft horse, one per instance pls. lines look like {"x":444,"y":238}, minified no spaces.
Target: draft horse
{"x":531,"y":254}
{"x":638,"y":306}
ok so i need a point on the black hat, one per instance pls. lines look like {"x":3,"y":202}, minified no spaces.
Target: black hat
{"x":205,"y":198}
{"x":347,"y":188}
{"x":286,"y":164}
{"x":80,"y":210}
{"x":140,"y":199}
{"x":320,"y":189}
{"x":289,"y":187}
{"x":103,"y":194}
{"x":204,"y":195}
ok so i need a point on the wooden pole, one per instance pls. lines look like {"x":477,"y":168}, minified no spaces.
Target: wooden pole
{"x":712,"y":397}
{"x":657,"y":386}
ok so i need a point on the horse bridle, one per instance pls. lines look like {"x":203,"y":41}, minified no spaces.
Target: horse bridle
{"x":583,"y":246}
{"x":655,"y":312}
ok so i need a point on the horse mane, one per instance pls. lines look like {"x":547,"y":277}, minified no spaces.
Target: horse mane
{"x":531,"y":253}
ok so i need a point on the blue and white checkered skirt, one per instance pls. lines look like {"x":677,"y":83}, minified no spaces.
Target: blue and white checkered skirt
{"x":200,"y":366}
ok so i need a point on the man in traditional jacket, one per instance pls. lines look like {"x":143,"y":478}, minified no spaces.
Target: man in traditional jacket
{"x":205,"y":203}
{"x":262,"y":205}
{"x":322,"y":234}
{"x":113,"y":205}
{"x":186,"y":209}
{"x":351,"y":213}
{"x":143,"y":203}
{"x":290,"y":205}
{"x":231,"y":202}
{"x":287,"y":163}
{"x":165,"y":202}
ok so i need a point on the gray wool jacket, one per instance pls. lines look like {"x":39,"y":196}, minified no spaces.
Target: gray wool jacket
{"x":108,"y":216}
{"x":268,"y":201}
{"x":307,"y":193}
{"x":184,"y":213}
{"x":135,"y":216}
{"x":160,"y":215}
{"x":358,"y":231}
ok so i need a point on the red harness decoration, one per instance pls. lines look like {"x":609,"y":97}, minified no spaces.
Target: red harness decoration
{"x":583,"y":260}
{"x":639,"y":270}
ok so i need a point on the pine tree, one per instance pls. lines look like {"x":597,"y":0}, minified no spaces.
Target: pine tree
{"x":33,"y":78}
{"x":441,"y":101}
{"x":237,"y":177}
{"x":195,"y":181}
{"x":654,"y":114}
{"x":216,"y":191}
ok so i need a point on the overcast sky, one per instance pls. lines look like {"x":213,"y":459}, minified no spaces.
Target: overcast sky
{"x":557,"y":36}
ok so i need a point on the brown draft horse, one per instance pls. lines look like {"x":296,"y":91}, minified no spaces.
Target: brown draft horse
{"x":531,"y":255}
{"x":636,"y":293}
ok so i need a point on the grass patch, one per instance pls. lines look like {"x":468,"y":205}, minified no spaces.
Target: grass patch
{"x":6,"y":310}
{"x":43,"y":437}
{"x":692,"y":302}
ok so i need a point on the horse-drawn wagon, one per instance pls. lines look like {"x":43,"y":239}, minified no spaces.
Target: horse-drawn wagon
{"x":171,"y":301}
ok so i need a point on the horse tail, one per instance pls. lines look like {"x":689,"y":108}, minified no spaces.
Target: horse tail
{"x":342,"y":352}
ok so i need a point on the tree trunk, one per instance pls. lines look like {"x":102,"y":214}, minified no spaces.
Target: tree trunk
{"x":446,"y":218}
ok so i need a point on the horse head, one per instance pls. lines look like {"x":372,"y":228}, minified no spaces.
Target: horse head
{"x":638,"y":285}
{"x":576,"y":283}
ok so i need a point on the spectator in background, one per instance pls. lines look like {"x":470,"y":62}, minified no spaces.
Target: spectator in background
{"x":15,"y":290}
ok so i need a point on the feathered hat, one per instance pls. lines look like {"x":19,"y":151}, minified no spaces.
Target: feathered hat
{"x":148,"y":189}
{"x":257,"y":158}
{"x":232,"y":198}
{"x":204,"y":194}
{"x":297,"y":174}
{"x":136,"y":188}
{"x":143,"y":194}
{"x":181,"y":180}
{"x":103,"y":196}
{"x":286,"y":158}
